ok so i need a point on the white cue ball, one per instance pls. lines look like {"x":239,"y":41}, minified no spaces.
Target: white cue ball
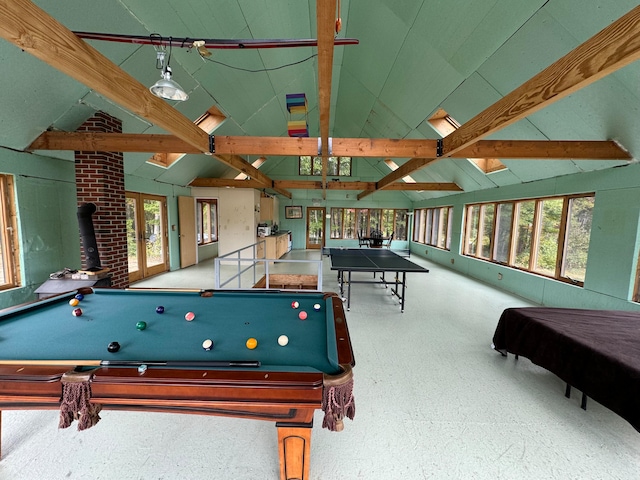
{"x":316,"y":307}
{"x":283,"y":340}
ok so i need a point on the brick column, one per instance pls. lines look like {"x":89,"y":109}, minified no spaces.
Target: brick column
{"x":100,"y":180}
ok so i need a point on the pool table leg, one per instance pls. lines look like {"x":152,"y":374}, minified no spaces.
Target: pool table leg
{"x":294,"y":447}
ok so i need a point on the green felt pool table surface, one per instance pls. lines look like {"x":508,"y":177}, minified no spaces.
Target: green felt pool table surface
{"x":48,"y":331}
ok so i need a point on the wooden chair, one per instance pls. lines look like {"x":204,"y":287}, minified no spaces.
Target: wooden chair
{"x":388,"y":244}
{"x":362,"y":241}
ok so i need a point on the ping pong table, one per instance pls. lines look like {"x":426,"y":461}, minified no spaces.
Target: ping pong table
{"x":376,"y":261}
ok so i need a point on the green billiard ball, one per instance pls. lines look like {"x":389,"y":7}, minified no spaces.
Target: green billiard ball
{"x":141,"y":325}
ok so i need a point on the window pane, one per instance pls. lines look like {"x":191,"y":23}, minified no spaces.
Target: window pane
{"x":488,"y":212}
{"x":205,"y":223}
{"x":345,"y":166}
{"x":435,"y":222}
{"x":473,"y":220}
{"x":349,"y":228}
{"x":332,"y":166}
{"x":213,"y":221}
{"x":305,"y":165}
{"x":374,"y":219}
{"x":449,"y":224}
{"x":548,"y":236}
{"x":428,"y":217}
{"x":317,"y":165}
{"x":387,"y":222}
{"x":363,"y":222}
{"x":443,"y":227}
{"x":578,"y":233}
{"x":524,"y":229}
{"x":133,"y":232}
{"x":400,"y":232}
{"x":503,"y":232}
{"x":336,"y":223}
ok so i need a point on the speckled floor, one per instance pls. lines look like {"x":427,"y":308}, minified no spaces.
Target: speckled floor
{"x":433,"y":402}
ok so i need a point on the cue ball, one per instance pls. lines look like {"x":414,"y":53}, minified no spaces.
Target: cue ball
{"x":80,"y":296}
{"x":207,"y":344}
{"x":189,"y":316}
{"x":302,"y":315}
{"x":113,"y":347}
{"x":283,"y":340}
{"x":160,"y":309}
{"x":141,"y":325}
{"x":295,"y":304}
{"x":252,"y":343}
{"x":76,"y":312}
{"x":317,"y":307}
{"x":74,"y":302}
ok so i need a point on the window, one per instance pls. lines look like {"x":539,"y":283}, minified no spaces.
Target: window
{"x":207,"y":225}
{"x":345,"y":222}
{"x":547,"y":236}
{"x":336,"y":166}
{"x":9,"y":254}
{"x":432,"y":226}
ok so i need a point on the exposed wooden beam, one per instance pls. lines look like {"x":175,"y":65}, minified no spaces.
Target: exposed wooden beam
{"x":545,"y":150}
{"x":36,"y":32}
{"x":358,"y":147}
{"x":614,"y":47}
{"x":317,"y":185}
{"x":110,"y":142}
{"x":226,"y":182}
{"x":326,"y":21}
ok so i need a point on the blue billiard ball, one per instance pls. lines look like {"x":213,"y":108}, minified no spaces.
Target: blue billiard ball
{"x":160,"y":309}
{"x":79,"y":296}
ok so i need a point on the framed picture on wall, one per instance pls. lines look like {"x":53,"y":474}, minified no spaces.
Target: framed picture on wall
{"x":293,"y":212}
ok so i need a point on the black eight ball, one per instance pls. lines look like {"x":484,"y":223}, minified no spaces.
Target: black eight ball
{"x":113,"y":347}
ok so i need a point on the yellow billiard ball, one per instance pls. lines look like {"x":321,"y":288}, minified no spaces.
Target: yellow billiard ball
{"x":252,"y":343}
{"x":74,"y":302}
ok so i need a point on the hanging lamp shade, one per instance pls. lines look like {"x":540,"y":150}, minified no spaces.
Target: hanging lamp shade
{"x":167,"y":88}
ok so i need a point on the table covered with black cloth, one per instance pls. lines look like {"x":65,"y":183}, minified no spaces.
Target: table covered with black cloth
{"x":595,"y":351}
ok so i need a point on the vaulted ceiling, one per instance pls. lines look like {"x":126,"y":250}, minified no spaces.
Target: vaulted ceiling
{"x":529,"y":71}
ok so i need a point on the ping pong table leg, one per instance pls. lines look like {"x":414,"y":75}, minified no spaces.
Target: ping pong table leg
{"x":349,"y":293}
{"x":404,"y":283}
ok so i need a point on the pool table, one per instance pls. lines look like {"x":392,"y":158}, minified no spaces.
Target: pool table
{"x":46,"y":352}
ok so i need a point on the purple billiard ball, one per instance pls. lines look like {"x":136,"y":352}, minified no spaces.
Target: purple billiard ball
{"x":160,"y":309}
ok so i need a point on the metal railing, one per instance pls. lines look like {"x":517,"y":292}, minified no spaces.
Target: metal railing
{"x":247,"y":268}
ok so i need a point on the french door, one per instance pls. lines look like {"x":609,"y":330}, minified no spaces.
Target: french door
{"x":315,"y":227}
{"x":146,"y":235}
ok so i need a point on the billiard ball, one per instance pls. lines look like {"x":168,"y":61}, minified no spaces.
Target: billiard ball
{"x":302,"y":315}
{"x":252,"y":343}
{"x":160,"y":309}
{"x":113,"y":347}
{"x":74,"y":302}
{"x":76,"y":312}
{"x":80,"y":296}
{"x":189,"y":316}
{"x":317,"y":307}
{"x":295,"y":304}
{"x":141,"y":325}
{"x":207,"y":344}
{"x":283,"y":340}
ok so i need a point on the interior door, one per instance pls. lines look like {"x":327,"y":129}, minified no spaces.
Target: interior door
{"x":146,"y":235}
{"x":315,"y":227}
{"x":187,"y":222}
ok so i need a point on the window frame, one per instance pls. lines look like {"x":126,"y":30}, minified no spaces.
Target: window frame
{"x":433,"y":226}
{"x":315,"y":165}
{"x":362,"y":222}
{"x":474,"y":217}
{"x":213,"y":229}
{"x":10,"y":245}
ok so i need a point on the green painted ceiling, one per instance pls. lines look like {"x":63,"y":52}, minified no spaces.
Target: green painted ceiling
{"x":414,"y":57}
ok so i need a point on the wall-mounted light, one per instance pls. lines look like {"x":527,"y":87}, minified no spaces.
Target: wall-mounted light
{"x":165,"y":87}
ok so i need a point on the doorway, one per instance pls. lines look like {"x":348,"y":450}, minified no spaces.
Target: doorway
{"x":146,"y":235}
{"x":315,"y":227}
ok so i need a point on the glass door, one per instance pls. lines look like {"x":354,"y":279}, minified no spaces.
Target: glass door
{"x":315,"y":227}
{"x":146,"y":235}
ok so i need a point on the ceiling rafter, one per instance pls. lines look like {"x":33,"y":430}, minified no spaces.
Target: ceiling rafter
{"x":326,"y":21}
{"x":614,"y":47}
{"x":36,"y":32}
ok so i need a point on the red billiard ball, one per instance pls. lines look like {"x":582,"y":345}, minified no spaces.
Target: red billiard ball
{"x":302,"y":315}
{"x":77,"y":312}
{"x":295,"y":304}
{"x":189,"y":316}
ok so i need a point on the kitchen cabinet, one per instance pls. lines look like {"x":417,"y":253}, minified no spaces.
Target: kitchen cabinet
{"x":266,"y":209}
{"x":275,"y":245}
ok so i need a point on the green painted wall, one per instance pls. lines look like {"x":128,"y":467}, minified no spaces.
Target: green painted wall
{"x":613,"y":247}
